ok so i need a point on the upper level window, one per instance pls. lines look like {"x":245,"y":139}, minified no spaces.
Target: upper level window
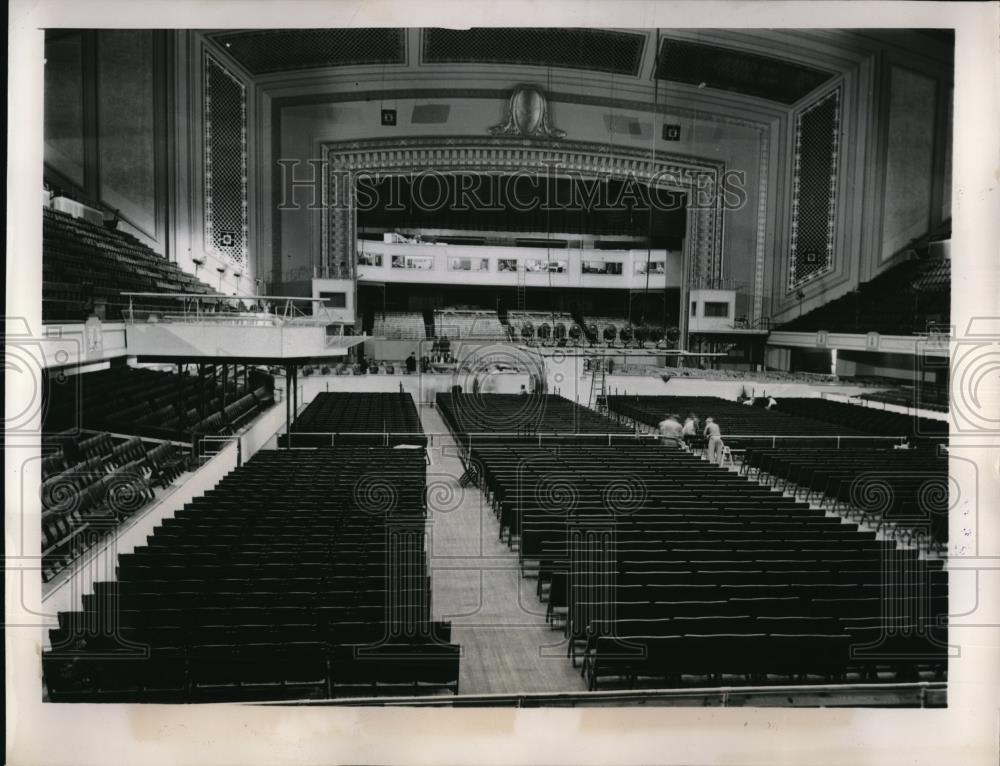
{"x":369,"y":259}
{"x":469,"y":264}
{"x":334,"y":300}
{"x":655,"y":267}
{"x":538,"y":264}
{"x":418,"y":262}
{"x":613,"y":268}
{"x":507,"y":264}
{"x":716,"y":309}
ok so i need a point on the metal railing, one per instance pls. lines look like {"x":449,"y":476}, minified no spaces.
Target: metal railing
{"x":255,"y":310}
{"x":913,"y":695}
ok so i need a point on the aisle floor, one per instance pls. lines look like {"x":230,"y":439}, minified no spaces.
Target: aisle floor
{"x":507,"y":647}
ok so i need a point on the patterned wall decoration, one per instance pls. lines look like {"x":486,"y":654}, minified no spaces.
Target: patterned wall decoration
{"x":814,"y":190}
{"x":699,"y":178}
{"x":225,"y":152}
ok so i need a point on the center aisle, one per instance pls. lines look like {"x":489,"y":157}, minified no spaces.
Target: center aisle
{"x":507,"y":647}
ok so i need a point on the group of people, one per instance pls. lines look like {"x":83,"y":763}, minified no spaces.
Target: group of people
{"x":675,"y":435}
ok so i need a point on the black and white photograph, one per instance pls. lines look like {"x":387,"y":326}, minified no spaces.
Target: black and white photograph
{"x":370,"y":363}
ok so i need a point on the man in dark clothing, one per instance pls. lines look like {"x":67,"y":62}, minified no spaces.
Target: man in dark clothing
{"x":411,"y":363}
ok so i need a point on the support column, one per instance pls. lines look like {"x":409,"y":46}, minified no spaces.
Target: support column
{"x":201,"y":391}
{"x":181,"y":414}
{"x":288,"y":406}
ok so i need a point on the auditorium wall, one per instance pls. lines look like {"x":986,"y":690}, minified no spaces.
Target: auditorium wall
{"x":200,"y":243}
{"x":104,"y":125}
{"x":125,"y":129}
{"x":893,"y":165}
{"x":350,"y":111}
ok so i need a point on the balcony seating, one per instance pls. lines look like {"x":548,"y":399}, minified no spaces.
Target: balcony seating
{"x":364,"y":418}
{"x":400,"y":325}
{"x":462,"y":325}
{"x":79,"y":256}
{"x":670,"y":571}
{"x":154,"y":404}
{"x":302,"y":574}
{"x":904,"y":300}
{"x":101,"y":484}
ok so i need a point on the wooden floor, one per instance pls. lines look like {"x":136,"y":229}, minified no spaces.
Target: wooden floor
{"x":507,"y":647}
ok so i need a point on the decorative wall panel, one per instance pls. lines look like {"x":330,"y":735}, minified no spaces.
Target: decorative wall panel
{"x":226,"y":208}
{"x":909,"y":160}
{"x":64,"y":105}
{"x":126,"y":113}
{"x":814,"y":190}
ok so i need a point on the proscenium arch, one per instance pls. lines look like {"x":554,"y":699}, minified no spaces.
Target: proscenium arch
{"x":699,"y":179}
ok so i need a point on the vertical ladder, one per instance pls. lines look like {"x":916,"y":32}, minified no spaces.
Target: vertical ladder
{"x":521,"y":287}
{"x":598,"y":391}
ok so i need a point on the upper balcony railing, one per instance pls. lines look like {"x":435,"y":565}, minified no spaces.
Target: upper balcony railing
{"x":238,"y":310}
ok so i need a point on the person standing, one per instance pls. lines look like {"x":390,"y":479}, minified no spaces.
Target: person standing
{"x":411,"y":363}
{"x":670,"y":432}
{"x":690,"y":429}
{"x":714,"y":435}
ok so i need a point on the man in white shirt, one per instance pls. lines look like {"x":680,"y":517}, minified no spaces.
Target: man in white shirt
{"x":670,"y":432}
{"x":690,"y":429}
{"x":714,"y":435}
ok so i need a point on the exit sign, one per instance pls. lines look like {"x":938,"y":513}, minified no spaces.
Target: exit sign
{"x":671,"y":132}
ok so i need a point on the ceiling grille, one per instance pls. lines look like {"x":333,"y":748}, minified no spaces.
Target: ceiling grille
{"x":595,"y":49}
{"x":737,"y":71}
{"x":278,"y":50}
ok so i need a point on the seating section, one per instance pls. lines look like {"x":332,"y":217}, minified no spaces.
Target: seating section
{"x":156,"y":404}
{"x":743,"y":426}
{"x":905,"y":299}
{"x":922,"y":396}
{"x":669,"y":571}
{"x":461,"y":324}
{"x":500,"y":418}
{"x":91,"y":483}
{"x":400,"y":325}
{"x":367,"y":418}
{"x":302,"y":574}
{"x":867,"y":419}
{"x":82,"y":262}
{"x":906,"y":490}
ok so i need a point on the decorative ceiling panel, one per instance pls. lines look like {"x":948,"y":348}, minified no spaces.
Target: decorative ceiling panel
{"x":737,"y":71}
{"x":278,"y":50}
{"x":600,"y":50}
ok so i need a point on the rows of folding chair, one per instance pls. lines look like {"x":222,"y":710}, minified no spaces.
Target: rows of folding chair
{"x":642,"y":533}
{"x":287,"y":580}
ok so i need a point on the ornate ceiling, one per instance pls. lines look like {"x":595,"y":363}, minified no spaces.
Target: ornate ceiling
{"x":773,"y":67}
